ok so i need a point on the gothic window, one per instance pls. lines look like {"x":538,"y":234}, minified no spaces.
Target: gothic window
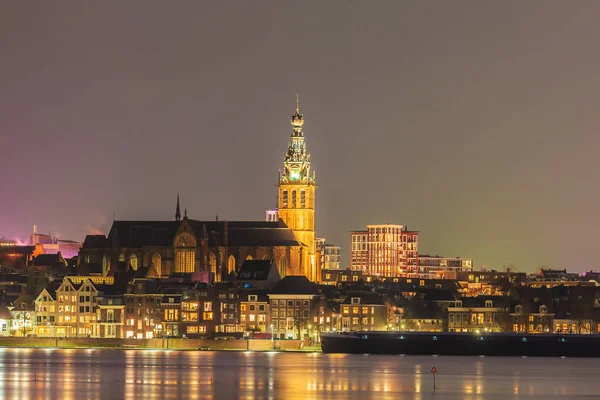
{"x":293,"y":199}
{"x":303,"y":198}
{"x":230,"y":264}
{"x":104,"y":265}
{"x":122,"y":257}
{"x":282,"y":266}
{"x":156,"y":262}
{"x":249,"y":257}
{"x":133,"y":261}
{"x":185,"y":254}
{"x":212,"y":262}
{"x":88,"y":258}
{"x":285,"y":198}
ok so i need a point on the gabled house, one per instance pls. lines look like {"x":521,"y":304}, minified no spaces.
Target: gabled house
{"x":364,"y":311}
{"x":480,"y":314}
{"x":291,"y":301}
{"x":254,"y":310}
{"x":46,"y":309}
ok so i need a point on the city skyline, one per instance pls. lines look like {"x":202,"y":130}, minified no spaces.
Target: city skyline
{"x":479,"y":135}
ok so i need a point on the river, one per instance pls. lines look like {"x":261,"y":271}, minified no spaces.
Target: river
{"x":163,"y":374}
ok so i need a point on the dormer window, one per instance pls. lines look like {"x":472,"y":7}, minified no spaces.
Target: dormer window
{"x":543,"y":309}
{"x":252,"y":297}
{"x":458,"y":303}
{"x":489,"y":304}
{"x":519,"y":309}
{"x":355,"y":300}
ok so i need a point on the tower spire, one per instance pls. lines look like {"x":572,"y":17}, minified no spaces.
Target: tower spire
{"x":178,"y":210}
{"x":297,"y":104}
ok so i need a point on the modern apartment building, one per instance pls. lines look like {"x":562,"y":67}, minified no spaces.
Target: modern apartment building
{"x":385,"y":250}
{"x":436,"y":267}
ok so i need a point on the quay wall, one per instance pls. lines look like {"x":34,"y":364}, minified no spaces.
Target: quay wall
{"x":174,"y":344}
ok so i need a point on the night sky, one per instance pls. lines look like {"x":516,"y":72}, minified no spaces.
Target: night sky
{"x":473,"y":122}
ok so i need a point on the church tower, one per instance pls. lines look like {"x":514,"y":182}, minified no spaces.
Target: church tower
{"x":296,"y":196}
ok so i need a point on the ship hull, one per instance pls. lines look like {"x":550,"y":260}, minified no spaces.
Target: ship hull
{"x":462,"y":344}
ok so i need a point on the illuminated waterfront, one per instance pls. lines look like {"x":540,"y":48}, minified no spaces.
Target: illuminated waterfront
{"x":106,"y":374}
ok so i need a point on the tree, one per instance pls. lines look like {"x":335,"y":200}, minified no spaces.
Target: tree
{"x":301,"y":321}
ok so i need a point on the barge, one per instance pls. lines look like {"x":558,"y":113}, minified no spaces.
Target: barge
{"x":462,"y":344}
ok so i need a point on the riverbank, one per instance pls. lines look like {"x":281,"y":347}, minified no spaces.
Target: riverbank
{"x":160,"y":344}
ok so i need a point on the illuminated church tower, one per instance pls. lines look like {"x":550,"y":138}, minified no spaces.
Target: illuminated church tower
{"x":296,"y":196}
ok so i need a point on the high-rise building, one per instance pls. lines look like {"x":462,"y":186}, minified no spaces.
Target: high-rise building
{"x":385,"y":250}
{"x":296,"y":196}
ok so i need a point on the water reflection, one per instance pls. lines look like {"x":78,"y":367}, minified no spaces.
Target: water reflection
{"x":134,"y":374}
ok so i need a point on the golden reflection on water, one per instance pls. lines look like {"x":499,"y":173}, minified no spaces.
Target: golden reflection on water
{"x":134,"y":374}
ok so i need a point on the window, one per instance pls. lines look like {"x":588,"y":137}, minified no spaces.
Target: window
{"x":207,"y":316}
{"x":104,"y":265}
{"x":519,"y":309}
{"x":365,"y":310}
{"x":293,"y":199}
{"x":354,"y":310}
{"x":282,"y":266}
{"x":290,"y":303}
{"x":285,"y":198}
{"x":207,"y":306}
{"x":275,"y":313}
{"x":133,"y":261}
{"x":252,"y":297}
{"x":303,"y":198}
{"x":305,"y":303}
{"x":157,"y":263}
{"x":488,"y":304}
{"x":212,"y":261}
{"x":230,"y":264}
{"x":185,"y":254}
{"x":355,"y":300}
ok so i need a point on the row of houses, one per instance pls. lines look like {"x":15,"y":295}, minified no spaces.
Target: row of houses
{"x":259,"y":303}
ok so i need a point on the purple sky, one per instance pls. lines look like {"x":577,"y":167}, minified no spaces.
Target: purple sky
{"x":473,"y":122}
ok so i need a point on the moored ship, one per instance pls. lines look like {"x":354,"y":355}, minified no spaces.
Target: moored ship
{"x":462,"y":344}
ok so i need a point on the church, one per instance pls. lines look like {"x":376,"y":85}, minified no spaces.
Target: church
{"x":185,"y":245}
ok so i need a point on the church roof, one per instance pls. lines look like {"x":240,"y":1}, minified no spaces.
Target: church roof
{"x":136,"y":234}
{"x":95,"y":242}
